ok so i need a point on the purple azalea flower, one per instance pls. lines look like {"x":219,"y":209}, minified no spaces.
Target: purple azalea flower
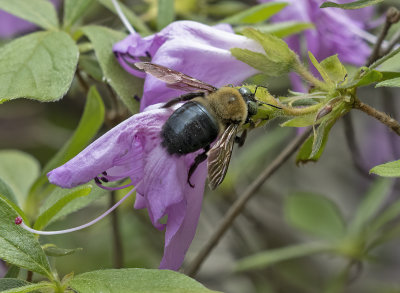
{"x":336,"y":32}
{"x":11,"y":25}
{"x":190,"y":47}
{"x":133,"y":149}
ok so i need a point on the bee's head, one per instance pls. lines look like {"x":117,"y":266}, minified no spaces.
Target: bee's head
{"x":250,"y":100}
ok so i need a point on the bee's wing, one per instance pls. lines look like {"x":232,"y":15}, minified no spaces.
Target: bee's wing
{"x":175,"y":79}
{"x":220,"y":155}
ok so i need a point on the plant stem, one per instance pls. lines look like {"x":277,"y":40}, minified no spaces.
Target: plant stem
{"x":377,"y":47}
{"x":300,"y":111}
{"x":384,"y":58}
{"x":240,"y":203}
{"x":118,"y":255}
{"x":350,"y":135}
{"x":380,"y":116}
{"x":300,"y":69}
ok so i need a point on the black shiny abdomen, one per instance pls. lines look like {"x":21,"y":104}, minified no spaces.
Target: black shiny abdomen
{"x":189,"y":129}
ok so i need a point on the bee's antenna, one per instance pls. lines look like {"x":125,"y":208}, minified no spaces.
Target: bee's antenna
{"x":269,"y":104}
{"x":254,"y":95}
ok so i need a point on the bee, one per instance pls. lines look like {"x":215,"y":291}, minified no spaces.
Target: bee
{"x":209,"y":114}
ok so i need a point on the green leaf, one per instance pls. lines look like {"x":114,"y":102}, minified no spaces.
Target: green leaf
{"x":390,"y":169}
{"x":18,"y":246}
{"x":371,"y":203}
{"x":39,"y":66}
{"x":91,"y":67}
{"x":320,"y":68}
{"x":258,"y":61}
{"x":395,"y":82}
{"x":16,"y":208}
{"x":256,"y":13}
{"x":166,"y":13}
{"x":90,"y":123}
{"x":30,"y":288}
{"x":13,"y":272}
{"x":313,"y":147}
{"x":281,"y":29}
{"x":389,"y":214}
{"x":74,"y":10}
{"x":389,"y":62}
{"x":300,"y":121}
{"x":10,"y":283}
{"x":352,"y":5}
{"x":334,"y":68}
{"x":270,"y":257}
{"x":314,"y":214}
{"x":125,"y":84}
{"x":366,"y":77}
{"x":135,"y":280}
{"x":6,"y":191}
{"x":74,"y":205}
{"x":222,"y":9}
{"x":39,"y":12}
{"x":18,"y":171}
{"x":276,"y":49}
{"x":136,"y":21}
{"x":53,"y":250}
{"x":65,"y":197}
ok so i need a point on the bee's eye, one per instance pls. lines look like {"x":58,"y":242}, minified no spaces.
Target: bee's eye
{"x":246,"y":93}
{"x":251,"y":108}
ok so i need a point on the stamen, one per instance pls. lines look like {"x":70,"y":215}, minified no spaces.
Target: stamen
{"x":104,"y":179}
{"x":19,"y":221}
{"x":97,"y":180}
{"x":123,"y":18}
{"x":113,"y":188}
{"x":104,"y":173}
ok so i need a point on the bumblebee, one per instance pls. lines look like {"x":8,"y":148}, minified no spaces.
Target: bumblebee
{"x":209,"y":114}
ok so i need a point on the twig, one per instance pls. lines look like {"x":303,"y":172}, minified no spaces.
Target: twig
{"x":392,"y":43}
{"x":380,"y":116}
{"x":377,"y":47}
{"x":240,"y":203}
{"x":392,"y":16}
{"x":352,"y":144}
{"x":29,"y":276}
{"x":118,"y":255}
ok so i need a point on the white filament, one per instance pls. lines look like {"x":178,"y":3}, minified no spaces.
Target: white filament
{"x":81,"y":226}
{"x":123,"y":18}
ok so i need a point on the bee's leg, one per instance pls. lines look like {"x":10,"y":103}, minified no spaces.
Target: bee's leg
{"x":182,"y":98}
{"x":242,"y":138}
{"x":197,"y":161}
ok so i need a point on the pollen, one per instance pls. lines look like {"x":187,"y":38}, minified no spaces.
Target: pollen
{"x":18,"y":221}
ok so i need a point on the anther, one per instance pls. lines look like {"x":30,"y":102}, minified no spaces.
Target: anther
{"x":18,"y":220}
{"x":104,"y":179}
{"x":104,"y":173}
{"x":97,"y":180}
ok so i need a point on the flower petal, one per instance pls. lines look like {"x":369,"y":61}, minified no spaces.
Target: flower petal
{"x":182,"y":222}
{"x":193,"y":48}
{"x":333,"y":33}
{"x":119,"y":150}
